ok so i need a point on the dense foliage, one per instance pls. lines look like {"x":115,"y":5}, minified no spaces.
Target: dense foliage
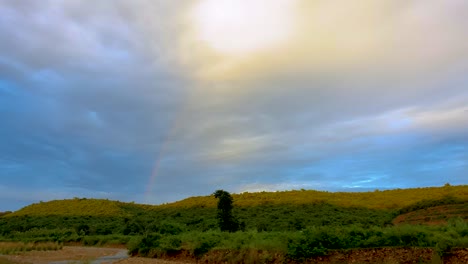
{"x":310,"y":242}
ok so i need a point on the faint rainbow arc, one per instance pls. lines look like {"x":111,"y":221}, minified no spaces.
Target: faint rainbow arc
{"x":164,"y":147}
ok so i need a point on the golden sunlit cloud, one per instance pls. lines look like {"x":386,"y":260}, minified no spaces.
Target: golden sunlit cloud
{"x":234,"y":28}
{"x":243,"y":40}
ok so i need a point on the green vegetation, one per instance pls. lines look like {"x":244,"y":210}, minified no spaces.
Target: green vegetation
{"x":312,"y":241}
{"x":291,"y":225}
{"x":73,"y":207}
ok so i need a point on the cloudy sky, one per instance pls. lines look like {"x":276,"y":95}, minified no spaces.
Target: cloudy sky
{"x":154,"y":101}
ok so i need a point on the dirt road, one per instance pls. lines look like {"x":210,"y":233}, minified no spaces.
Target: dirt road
{"x":81,"y":255}
{"x":71,"y":255}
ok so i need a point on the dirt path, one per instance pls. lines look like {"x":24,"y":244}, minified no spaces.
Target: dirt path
{"x":81,"y":255}
{"x":71,"y":255}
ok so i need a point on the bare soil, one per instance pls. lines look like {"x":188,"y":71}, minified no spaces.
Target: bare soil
{"x":137,"y":260}
{"x":358,"y":256}
{"x":393,"y":256}
{"x":78,"y":254}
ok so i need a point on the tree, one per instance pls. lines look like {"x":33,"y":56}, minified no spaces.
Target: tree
{"x":226,"y":220}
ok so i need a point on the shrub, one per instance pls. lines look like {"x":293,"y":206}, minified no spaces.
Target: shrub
{"x":133,"y":245}
{"x":170,"y":245}
{"x":170,"y":228}
{"x":309,"y":244}
{"x":148,"y":243}
{"x":444,"y":246}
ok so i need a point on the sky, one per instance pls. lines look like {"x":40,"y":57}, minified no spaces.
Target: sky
{"x":155,"y":101}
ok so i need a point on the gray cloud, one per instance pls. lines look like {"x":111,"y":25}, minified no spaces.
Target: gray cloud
{"x":102,"y":100}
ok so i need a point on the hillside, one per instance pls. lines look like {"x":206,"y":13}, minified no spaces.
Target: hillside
{"x":387,"y":200}
{"x":270,"y":211}
{"x":73,"y":207}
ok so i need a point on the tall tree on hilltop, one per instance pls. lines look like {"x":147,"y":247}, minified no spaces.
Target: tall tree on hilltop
{"x":226,"y":220}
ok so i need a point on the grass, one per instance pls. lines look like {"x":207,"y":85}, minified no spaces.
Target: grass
{"x":7,"y":248}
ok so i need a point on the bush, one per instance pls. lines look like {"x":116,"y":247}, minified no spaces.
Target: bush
{"x":309,"y":244}
{"x":444,"y":246}
{"x":203,"y":242}
{"x":133,"y":245}
{"x":91,"y":241}
{"x":170,"y":245}
{"x":148,"y":243}
{"x":170,"y":228}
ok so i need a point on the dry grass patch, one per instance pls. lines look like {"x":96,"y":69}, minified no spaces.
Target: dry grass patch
{"x":7,"y":248}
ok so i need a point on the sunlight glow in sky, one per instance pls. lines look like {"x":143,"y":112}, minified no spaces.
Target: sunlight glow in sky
{"x":239,"y":28}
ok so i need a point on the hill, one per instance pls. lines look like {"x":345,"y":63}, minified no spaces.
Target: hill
{"x":387,"y":199}
{"x":270,"y":211}
{"x":73,"y":207}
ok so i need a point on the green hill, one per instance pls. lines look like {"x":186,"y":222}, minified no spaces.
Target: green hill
{"x":383,"y":200}
{"x":73,"y":207}
{"x":269,"y":211}
{"x":388,"y":199}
